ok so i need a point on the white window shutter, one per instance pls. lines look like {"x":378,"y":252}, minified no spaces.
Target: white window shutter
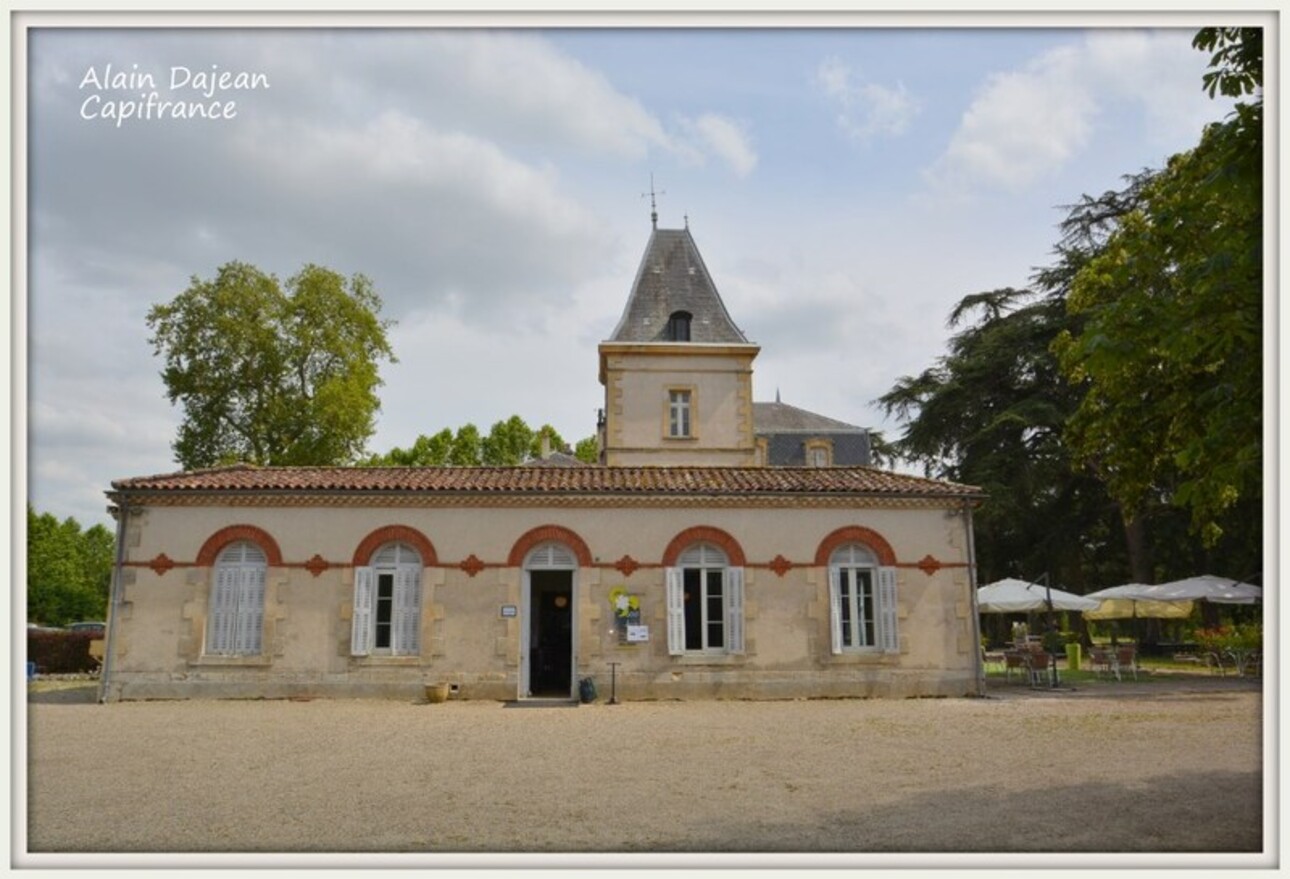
{"x":675,"y":611}
{"x":223,"y":610}
{"x":250,"y":610}
{"x":735,"y":609}
{"x":407,"y":609}
{"x":835,"y":607}
{"x":360,"y":639}
{"x":888,"y":637}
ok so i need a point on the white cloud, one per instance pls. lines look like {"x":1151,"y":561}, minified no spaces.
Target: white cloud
{"x":1165,"y":80}
{"x":531,"y":84}
{"x":865,"y":110}
{"x":1025,"y":124}
{"x":724,"y":138}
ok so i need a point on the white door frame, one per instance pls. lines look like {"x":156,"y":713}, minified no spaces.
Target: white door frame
{"x":526,"y":609}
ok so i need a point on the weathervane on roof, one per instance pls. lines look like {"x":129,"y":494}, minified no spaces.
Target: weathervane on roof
{"x":653,"y":203}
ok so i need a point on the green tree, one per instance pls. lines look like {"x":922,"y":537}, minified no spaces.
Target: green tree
{"x":467,"y":447}
{"x":270,"y":375}
{"x":69,"y":571}
{"x":991,"y":413}
{"x":427,"y":451}
{"x":508,"y":443}
{"x":587,"y":450}
{"x":1169,"y":354}
{"x":554,"y":441}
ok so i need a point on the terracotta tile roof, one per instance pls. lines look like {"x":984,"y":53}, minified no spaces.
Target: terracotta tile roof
{"x":552,"y":480}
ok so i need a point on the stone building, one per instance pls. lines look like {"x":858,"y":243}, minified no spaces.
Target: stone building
{"x":712,"y":554}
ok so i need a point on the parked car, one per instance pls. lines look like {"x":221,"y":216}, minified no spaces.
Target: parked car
{"x":98,"y":628}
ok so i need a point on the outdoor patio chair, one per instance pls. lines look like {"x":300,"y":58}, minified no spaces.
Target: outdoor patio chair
{"x":1017,"y":660}
{"x":1104,"y":662}
{"x":1037,"y":665}
{"x":1126,"y":659}
{"x":993,"y":659}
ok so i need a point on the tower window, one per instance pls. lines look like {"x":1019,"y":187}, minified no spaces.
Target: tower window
{"x":678,"y":326}
{"x":679,"y":414}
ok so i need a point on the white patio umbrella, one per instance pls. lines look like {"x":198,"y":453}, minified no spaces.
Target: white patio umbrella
{"x":1136,"y":600}
{"x":1019,"y":596}
{"x":1207,"y":587}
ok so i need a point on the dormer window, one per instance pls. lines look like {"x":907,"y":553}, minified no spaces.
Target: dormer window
{"x":819,"y":453}
{"x":678,"y":326}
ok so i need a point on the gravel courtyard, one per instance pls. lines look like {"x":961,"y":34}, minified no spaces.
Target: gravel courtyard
{"x":1164,"y":767}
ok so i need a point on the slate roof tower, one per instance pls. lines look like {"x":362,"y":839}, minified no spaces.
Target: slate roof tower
{"x":677,"y":370}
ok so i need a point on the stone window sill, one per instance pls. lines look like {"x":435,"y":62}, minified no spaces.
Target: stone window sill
{"x":865,"y":658}
{"x":692,"y":659}
{"x":258,"y":661}
{"x":394,"y":661}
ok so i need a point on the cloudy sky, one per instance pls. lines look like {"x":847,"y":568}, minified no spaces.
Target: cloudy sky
{"x":846,"y":186}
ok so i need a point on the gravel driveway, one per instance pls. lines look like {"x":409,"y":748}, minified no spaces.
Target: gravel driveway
{"x":1157,"y":768}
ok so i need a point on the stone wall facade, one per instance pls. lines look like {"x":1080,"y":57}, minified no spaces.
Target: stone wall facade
{"x":473,"y":566}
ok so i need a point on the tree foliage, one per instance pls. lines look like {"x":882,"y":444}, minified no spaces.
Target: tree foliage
{"x":991,"y":413}
{"x":587,"y":450}
{"x":1169,"y":357}
{"x":1119,"y":399}
{"x":270,"y":374}
{"x":509,"y":442}
{"x":69,"y":570}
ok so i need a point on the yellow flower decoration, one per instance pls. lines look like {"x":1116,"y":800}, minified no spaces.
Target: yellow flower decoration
{"x":623,"y":602}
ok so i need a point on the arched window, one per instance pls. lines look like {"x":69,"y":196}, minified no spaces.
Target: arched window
{"x":862,"y":601}
{"x":387,"y":603}
{"x":551,"y":556}
{"x":678,"y":326}
{"x":235,"y":625}
{"x":705,"y":602}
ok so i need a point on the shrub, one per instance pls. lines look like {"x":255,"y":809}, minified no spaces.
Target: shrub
{"x":57,"y":652}
{"x":1221,"y":639}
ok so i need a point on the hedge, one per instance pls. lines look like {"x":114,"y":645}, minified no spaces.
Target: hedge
{"x":60,"y":652}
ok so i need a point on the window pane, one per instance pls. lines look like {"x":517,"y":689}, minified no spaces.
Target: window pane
{"x":679,"y":413}
{"x":847,"y":597}
{"x":384,"y":609}
{"x":865,"y":581}
{"x":716,"y":610}
{"x":693,"y":606}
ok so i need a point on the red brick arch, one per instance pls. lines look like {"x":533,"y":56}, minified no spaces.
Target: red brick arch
{"x":544,"y":533}
{"x":392,"y":534}
{"x":856,"y":534}
{"x":216,"y":542}
{"x":704,"y":534}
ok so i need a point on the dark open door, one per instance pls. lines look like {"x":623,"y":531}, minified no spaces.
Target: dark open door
{"x":551,"y":633}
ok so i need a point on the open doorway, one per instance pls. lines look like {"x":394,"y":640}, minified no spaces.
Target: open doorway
{"x":550,"y":634}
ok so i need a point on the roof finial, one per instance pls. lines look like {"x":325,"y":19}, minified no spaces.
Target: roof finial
{"x":776,"y":395}
{"x":687,"y":221}
{"x":653,"y":204}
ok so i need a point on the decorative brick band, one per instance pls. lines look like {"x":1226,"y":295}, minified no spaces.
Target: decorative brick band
{"x":544,"y":533}
{"x":855,"y":534}
{"x":216,"y":542}
{"x":161,"y":564}
{"x":929,"y":564}
{"x":395,"y":534}
{"x":704,"y":534}
{"x":780,"y":565}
